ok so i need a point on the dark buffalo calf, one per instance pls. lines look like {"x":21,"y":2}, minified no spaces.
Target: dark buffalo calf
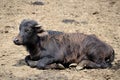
{"x":49,"y":48}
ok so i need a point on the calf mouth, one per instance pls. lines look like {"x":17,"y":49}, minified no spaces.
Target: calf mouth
{"x":17,"y":41}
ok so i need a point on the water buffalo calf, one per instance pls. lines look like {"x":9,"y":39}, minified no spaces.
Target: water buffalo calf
{"x":51,"y":47}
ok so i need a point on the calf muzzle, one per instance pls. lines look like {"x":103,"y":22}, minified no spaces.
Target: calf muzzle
{"x":18,"y":40}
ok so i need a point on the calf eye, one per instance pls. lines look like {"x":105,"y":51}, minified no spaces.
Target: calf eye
{"x":27,"y":30}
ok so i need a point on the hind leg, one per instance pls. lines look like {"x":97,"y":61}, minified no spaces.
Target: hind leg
{"x":105,"y":65}
{"x":88,"y":64}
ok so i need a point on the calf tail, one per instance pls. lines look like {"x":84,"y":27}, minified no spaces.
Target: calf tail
{"x":109,"y":60}
{"x":112,"y":56}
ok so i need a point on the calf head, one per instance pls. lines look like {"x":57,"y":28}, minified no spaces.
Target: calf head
{"x":29,"y":32}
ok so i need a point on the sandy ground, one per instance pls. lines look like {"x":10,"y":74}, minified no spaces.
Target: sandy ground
{"x":100,"y":17}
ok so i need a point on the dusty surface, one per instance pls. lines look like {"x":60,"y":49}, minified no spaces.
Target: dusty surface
{"x":100,"y":17}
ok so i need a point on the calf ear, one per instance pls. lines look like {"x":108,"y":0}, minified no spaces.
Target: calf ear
{"x":42,"y":34}
{"x":40,"y":31}
{"x":38,"y":28}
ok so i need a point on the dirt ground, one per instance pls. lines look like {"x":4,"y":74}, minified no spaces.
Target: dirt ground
{"x":100,"y":17}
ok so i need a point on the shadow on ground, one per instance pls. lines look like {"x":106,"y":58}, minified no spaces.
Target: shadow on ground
{"x":116,"y":66}
{"x":20,"y":62}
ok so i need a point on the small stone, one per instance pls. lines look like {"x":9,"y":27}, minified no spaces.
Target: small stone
{"x":6,"y":31}
{"x":33,"y":12}
{"x":84,"y":22}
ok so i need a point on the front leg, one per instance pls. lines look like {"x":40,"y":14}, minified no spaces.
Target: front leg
{"x":30,"y":62}
{"x":45,"y":63}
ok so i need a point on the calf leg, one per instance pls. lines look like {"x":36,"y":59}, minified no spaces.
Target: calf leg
{"x":87,"y":64}
{"x":55,"y":66}
{"x":30,"y":62}
{"x":45,"y":62}
{"x":105,"y":65}
{"x":33,"y":64}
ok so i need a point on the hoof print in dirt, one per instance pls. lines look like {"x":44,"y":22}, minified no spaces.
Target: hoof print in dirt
{"x":20,"y":63}
{"x":71,"y":21}
{"x":96,"y":12}
{"x":112,"y":3}
{"x":4,"y":31}
{"x":84,"y":22}
{"x":37,"y":3}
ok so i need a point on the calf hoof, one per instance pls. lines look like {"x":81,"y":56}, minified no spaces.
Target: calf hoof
{"x":79,"y":67}
{"x":32,"y":64}
{"x":40,"y":66}
{"x":60,"y":66}
{"x":72,"y":65}
{"x":104,"y":66}
{"x":27,"y":58}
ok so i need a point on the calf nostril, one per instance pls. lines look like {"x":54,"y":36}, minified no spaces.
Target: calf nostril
{"x":16,"y":40}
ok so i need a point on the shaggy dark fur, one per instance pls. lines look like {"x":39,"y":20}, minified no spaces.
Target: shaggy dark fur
{"x":49,"y":47}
